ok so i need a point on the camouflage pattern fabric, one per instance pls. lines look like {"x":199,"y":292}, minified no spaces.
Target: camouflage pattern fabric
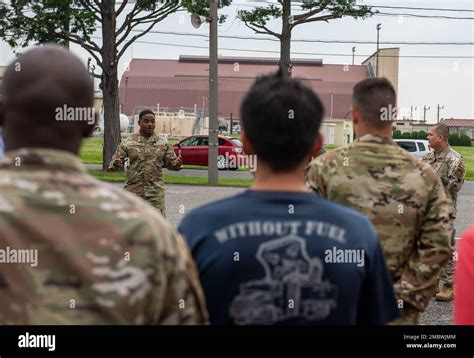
{"x":449,"y":165}
{"x":404,"y":199}
{"x":144,"y":159}
{"x":104,"y":256}
{"x":408,"y":316}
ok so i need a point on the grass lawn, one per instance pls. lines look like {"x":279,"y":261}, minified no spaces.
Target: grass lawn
{"x":172,"y":179}
{"x":468,"y":155}
{"x":91,"y":150}
{"x":91,"y":153}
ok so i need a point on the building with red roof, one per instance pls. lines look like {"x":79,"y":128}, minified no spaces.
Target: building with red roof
{"x":183,"y":84}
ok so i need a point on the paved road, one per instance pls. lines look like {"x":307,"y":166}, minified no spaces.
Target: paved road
{"x":240,"y":174}
{"x":180,"y":199}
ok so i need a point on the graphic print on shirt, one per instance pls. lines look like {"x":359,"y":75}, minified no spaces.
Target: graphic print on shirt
{"x":292,"y":286}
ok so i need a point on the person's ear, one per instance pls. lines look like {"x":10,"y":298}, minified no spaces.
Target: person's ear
{"x":87,"y":130}
{"x":248,"y":149}
{"x":318,"y":144}
{"x":355,"y":116}
{"x":90,"y":127}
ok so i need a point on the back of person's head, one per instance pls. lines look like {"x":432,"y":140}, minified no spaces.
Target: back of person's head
{"x":47,"y":100}
{"x":442,"y":130}
{"x":281,"y":119}
{"x":375,"y":100}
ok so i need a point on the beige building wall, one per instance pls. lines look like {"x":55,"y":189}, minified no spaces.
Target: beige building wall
{"x":98,"y":104}
{"x":388,"y":64}
{"x":175,"y":125}
{"x":337,"y":131}
{"x":409,"y":126}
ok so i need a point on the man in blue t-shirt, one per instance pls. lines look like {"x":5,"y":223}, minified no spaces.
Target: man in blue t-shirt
{"x":277,"y":254}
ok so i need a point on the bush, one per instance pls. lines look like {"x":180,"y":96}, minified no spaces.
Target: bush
{"x":422,"y":135}
{"x":464,"y":140}
{"x":397,"y":134}
{"x":453,"y":139}
{"x":406,"y":135}
{"x":414,"y":135}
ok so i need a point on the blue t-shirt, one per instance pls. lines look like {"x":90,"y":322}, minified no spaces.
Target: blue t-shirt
{"x":2,"y":146}
{"x":268,"y":257}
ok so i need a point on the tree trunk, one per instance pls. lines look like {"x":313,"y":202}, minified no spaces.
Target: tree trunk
{"x":285,"y":41}
{"x":110,"y":84}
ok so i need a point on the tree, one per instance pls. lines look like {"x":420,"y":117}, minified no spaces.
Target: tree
{"x":397,"y":134}
{"x":464,"y":140}
{"x":453,"y":139}
{"x":406,"y":135}
{"x":414,"y":135}
{"x":313,"y":11}
{"x":63,"y":21}
{"x":422,"y":135}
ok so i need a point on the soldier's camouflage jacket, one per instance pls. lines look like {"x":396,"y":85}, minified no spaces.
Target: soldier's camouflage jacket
{"x":404,"y":199}
{"x":146,"y":159}
{"x":103,"y":255}
{"x":449,"y":165}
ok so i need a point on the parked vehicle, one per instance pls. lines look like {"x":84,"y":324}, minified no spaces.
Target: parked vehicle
{"x":195,"y":151}
{"x":236,"y":129}
{"x":417,"y":147}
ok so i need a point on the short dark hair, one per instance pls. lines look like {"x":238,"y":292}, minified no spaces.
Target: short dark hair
{"x":442,"y":130}
{"x":281,"y":119}
{"x":371,"y":97}
{"x":145,"y":112}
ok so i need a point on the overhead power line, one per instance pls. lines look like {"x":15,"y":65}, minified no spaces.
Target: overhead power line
{"x":460,"y":43}
{"x":419,"y":8}
{"x":370,"y":5}
{"x":299,"y":53}
{"x":425,"y":16}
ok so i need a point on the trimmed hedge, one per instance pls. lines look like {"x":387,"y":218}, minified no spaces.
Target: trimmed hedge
{"x":454,"y":139}
{"x":422,"y":135}
{"x":397,"y":134}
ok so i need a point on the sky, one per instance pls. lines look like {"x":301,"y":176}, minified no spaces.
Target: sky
{"x":448,"y":82}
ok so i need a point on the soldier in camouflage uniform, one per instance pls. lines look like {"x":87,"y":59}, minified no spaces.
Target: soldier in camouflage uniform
{"x":104,"y":256}
{"x":403,"y":197}
{"x":146,"y":154}
{"x":449,"y":165}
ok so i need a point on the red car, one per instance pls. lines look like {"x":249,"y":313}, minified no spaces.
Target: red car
{"x":194,"y":151}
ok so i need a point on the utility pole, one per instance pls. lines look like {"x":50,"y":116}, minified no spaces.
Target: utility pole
{"x":379,"y":26}
{"x":353,"y":55}
{"x":213,"y":174}
{"x":411,"y":111}
{"x":439,"y":108}
{"x":425,"y":108}
{"x":125,"y":97}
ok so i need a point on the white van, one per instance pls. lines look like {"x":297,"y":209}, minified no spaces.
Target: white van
{"x":417,"y":147}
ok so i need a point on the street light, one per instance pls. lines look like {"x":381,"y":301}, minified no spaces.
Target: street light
{"x":353,"y":55}
{"x":196,"y":21}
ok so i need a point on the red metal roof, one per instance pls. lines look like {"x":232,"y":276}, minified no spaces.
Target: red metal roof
{"x":459,"y":122}
{"x":175,"y":84}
